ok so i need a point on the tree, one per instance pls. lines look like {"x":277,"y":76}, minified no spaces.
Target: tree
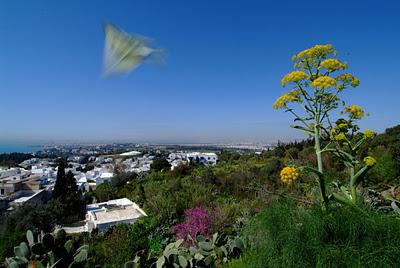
{"x":160,"y":164}
{"x":61,"y":183}
{"x":120,"y":179}
{"x":319,"y":77}
{"x":104,"y":192}
{"x":73,"y":200}
{"x":67,"y":193}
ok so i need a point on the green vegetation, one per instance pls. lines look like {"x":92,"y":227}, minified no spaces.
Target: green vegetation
{"x":67,"y":193}
{"x":47,"y":249}
{"x":330,"y":201}
{"x":288,"y":235}
{"x":66,"y":206}
{"x":160,"y":163}
{"x":13,"y":159}
{"x":246,"y":199}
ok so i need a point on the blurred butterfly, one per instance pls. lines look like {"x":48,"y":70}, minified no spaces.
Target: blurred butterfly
{"x":124,"y":52}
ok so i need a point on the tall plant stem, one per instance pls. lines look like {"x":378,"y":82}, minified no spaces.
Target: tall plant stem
{"x":321,"y":178}
{"x":353,"y":187}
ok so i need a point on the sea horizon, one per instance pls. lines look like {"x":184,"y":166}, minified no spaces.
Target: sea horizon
{"x":19,"y":148}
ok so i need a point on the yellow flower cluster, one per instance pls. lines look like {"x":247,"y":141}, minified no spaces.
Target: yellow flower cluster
{"x":338,"y":133}
{"x":354,"y":111}
{"x":294,"y":77}
{"x":332,"y":64}
{"x":340,"y":137}
{"x":317,"y":51}
{"x":369,"y":133}
{"x":324,"y":82}
{"x":348,"y":79}
{"x":369,"y":161}
{"x":282,"y":101}
{"x":288,"y":175}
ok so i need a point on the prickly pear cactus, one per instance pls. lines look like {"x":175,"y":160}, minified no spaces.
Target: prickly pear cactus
{"x":48,"y":250}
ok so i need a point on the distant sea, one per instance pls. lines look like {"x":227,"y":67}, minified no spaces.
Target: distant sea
{"x":19,"y":148}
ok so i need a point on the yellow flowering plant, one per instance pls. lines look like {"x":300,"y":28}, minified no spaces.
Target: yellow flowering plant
{"x":317,"y":80}
{"x":345,"y":142}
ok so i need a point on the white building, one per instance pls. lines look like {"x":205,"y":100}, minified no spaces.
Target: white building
{"x":101,"y":216}
{"x":131,"y":153}
{"x":11,"y":172}
{"x":44,"y":171}
{"x":203,"y":158}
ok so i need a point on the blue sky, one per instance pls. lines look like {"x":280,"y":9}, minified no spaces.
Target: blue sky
{"x":223,"y":66}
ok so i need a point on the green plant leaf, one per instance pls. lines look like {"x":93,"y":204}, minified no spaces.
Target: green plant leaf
{"x":83,"y":247}
{"x":209,"y":260}
{"x":68,"y":245}
{"x":200,"y":238}
{"x":160,"y":262}
{"x":311,"y":169}
{"x":18,"y":252}
{"x":29,"y":237}
{"x":25,"y":249}
{"x":131,"y":264}
{"x":302,"y":128}
{"x":12,"y":264}
{"x":395,"y":207}
{"x":178,"y":243}
{"x":21,"y":261}
{"x":60,"y":235}
{"x":214,"y":238}
{"x":169,"y":247}
{"x":207,"y":246}
{"x":198,"y":256}
{"x":182,"y":261}
{"x":359,"y":175}
{"x":81,"y":256}
{"x":237,"y":242}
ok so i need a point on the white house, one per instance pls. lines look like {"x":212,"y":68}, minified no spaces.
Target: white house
{"x":101,"y":216}
{"x":131,"y":153}
{"x":204,"y":158}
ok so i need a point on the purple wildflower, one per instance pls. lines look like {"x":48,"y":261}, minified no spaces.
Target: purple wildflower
{"x":197,"y":222}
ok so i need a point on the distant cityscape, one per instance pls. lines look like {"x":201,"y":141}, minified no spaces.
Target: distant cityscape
{"x":33,"y":179}
{"x":112,"y":147}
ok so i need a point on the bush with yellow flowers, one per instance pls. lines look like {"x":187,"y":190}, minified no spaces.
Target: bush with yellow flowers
{"x":317,"y":80}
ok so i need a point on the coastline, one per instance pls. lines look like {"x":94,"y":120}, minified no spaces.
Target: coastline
{"x":19,"y":148}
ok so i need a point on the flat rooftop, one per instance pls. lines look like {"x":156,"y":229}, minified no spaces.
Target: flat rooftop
{"x":117,"y":215}
{"x":115,"y":211}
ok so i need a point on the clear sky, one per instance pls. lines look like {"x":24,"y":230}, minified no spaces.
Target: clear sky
{"x":224,"y":62}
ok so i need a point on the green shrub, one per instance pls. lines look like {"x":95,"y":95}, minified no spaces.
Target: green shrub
{"x":286,"y":235}
{"x":122,"y":242}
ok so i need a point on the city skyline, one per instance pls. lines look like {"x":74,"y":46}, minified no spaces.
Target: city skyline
{"x":223,"y":65}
